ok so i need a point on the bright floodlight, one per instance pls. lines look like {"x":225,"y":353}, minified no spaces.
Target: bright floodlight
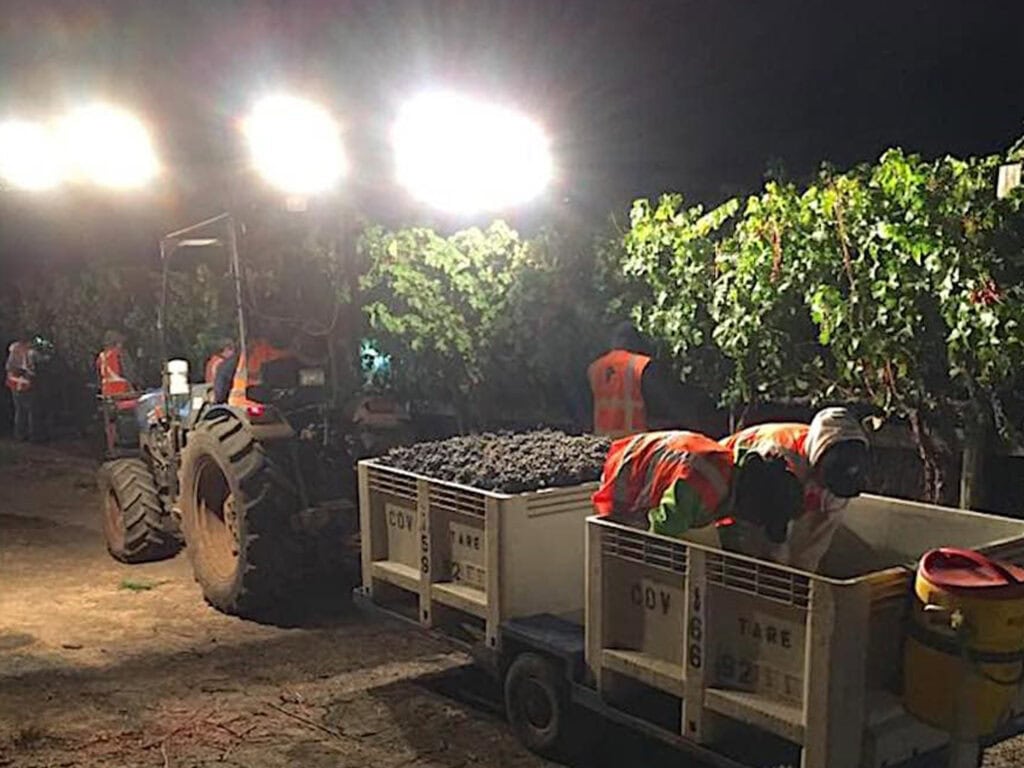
{"x":462,"y":156}
{"x":295,"y":145}
{"x":109,"y":147}
{"x":29,"y":156}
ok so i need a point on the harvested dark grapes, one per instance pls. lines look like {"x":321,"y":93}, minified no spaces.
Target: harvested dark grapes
{"x":507,"y":462}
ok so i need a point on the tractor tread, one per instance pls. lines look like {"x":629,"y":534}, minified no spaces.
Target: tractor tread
{"x":270,"y":556}
{"x":146,"y":535}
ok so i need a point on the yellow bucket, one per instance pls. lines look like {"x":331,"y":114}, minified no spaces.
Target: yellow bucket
{"x":964,"y":657}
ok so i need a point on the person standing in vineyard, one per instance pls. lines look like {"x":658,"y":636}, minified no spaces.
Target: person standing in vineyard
{"x":119,"y":388}
{"x":630,"y":393}
{"x":830,"y":458}
{"x":676,"y":481}
{"x":20,"y":377}
{"x":114,"y":367}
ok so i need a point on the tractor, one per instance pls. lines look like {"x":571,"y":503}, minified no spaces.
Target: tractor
{"x":261,"y":494}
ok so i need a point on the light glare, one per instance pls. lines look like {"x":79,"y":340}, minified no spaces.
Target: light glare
{"x":464,"y":156}
{"x":295,"y":145}
{"x":30,"y":157}
{"x":110,"y":147}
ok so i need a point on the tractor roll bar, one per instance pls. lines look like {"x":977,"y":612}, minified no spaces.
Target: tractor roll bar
{"x":174,"y":240}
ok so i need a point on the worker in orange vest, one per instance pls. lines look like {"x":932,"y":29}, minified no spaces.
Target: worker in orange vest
{"x":114,"y":368}
{"x":225,"y":351}
{"x":830,"y":458}
{"x":672,"y":482}
{"x":272,"y":340}
{"x":248,"y":368}
{"x":20,"y":374}
{"x":630,"y":394}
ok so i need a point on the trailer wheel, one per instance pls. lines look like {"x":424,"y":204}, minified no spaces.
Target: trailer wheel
{"x":537,"y":704}
{"x":134,"y":523}
{"x":237,"y":504}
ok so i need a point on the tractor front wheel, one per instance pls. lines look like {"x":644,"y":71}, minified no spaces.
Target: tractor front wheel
{"x":135,"y":525}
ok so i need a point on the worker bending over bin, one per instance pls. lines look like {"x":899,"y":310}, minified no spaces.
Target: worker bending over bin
{"x":672,"y":482}
{"x":830,"y":457}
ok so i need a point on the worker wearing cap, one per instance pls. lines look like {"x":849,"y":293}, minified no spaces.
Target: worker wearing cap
{"x":829,"y":456}
{"x":671,"y":482}
{"x":631,"y":394}
{"x":20,"y":374}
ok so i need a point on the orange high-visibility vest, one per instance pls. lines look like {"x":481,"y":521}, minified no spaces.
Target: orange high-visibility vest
{"x":788,"y":440}
{"x":640,"y":469}
{"x":18,"y":365}
{"x":215,"y":361}
{"x":108,"y":366}
{"x":811,"y":533}
{"x":247,"y":374}
{"x":615,"y":381}
{"x":19,"y":359}
{"x":785,"y":439}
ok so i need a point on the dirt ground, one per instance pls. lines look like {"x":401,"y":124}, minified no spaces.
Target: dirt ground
{"x":103,"y":664}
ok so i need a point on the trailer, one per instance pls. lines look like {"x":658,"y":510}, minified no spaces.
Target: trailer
{"x":738,"y":661}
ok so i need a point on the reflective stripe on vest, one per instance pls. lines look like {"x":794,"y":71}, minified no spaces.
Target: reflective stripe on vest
{"x":215,"y":362}
{"x":248,"y":372}
{"x":789,"y":441}
{"x":240,"y":383}
{"x":640,"y":469}
{"x":784,"y":439}
{"x":616,"y":383}
{"x":621,"y":486}
{"x":17,"y":383}
{"x":108,"y":365}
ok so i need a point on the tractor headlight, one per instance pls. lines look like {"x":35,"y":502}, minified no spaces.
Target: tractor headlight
{"x":312,"y":377}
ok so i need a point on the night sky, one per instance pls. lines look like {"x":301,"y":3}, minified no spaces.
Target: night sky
{"x":639,"y":97}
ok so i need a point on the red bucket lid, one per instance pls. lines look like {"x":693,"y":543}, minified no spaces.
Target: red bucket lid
{"x":965,"y":569}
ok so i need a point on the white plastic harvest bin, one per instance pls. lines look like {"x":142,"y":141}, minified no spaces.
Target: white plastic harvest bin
{"x":487,"y":555}
{"x":812,"y":658}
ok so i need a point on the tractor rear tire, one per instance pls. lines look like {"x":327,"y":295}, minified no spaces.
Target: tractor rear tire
{"x":135,"y":524}
{"x":237,"y":504}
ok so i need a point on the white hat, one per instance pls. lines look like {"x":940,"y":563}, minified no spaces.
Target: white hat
{"x":829,"y":427}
